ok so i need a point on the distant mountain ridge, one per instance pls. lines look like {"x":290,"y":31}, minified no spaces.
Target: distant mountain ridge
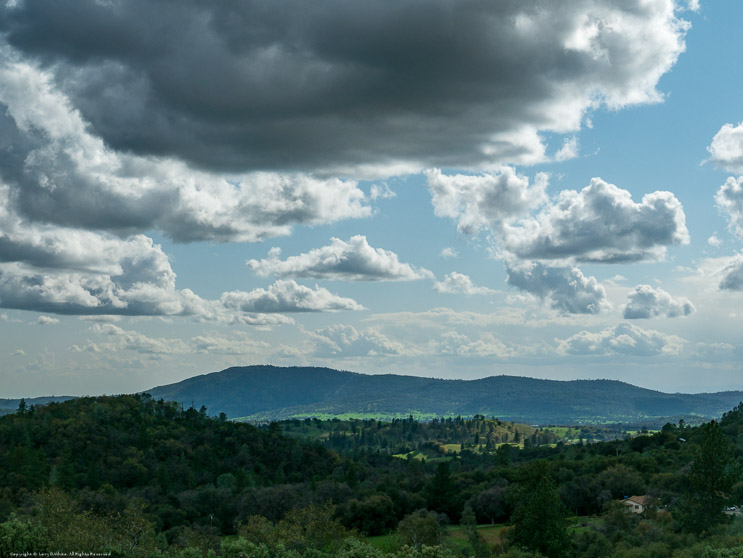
{"x":272,"y":393}
{"x":11,"y":405}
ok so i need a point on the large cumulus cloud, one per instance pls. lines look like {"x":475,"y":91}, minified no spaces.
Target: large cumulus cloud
{"x":297,"y":85}
{"x":601,"y":223}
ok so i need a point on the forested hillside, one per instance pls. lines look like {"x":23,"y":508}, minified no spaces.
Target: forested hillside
{"x":139,"y":477}
{"x":273,"y":393}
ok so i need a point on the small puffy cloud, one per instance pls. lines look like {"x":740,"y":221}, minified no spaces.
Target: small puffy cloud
{"x":346,"y":340}
{"x":729,"y":199}
{"x":354,"y":260}
{"x":381,"y":192}
{"x":455,"y":283}
{"x":46,"y":320}
{"x":484,"y":201}
{"x":732,"y":274}
{"x":18,"y":352}
{"x":624,"y":339}
{"x":287,"y":296}
{"x":600,"y":223}
{"x":714,"y":240}
{"x":448,"y":252}
{"x":647,"y":302}
{"x":566,"y":288}
{"x":569,"y":149}
{"x":726,"y":149}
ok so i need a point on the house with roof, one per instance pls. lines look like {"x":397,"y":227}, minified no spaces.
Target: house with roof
{"x":637,"y":504}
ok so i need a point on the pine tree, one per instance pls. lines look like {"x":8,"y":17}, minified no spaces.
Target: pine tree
{"x":541,"y":518}
{"x":710,"y":477}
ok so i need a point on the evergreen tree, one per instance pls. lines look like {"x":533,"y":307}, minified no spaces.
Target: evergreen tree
{"x":479,"y":546}
{"x":541,"y":518}
{"x":710,"y":477}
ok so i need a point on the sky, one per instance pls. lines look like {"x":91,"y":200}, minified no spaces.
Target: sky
{"x":448,"y":188}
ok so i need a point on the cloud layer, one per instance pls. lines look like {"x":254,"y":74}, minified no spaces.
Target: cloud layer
{"x":316,"y":86}
{"x":624,"y":339}
{"x":647,"y":302}
{"x":354,"y":260}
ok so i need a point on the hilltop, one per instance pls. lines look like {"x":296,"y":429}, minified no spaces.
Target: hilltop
{"x":271,"y":393}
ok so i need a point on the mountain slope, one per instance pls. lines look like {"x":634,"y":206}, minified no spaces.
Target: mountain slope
{"x":270,"y":392}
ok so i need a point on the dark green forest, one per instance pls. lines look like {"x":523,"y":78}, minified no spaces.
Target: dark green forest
{"x":134,"y":476}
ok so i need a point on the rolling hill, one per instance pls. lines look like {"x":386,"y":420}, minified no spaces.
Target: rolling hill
{"x":270,"y":392}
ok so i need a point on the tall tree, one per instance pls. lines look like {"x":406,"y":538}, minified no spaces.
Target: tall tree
{"x":710,"y":478}
{"x":541,"y":518}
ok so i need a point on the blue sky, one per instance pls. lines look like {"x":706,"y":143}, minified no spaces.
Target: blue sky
{"x":448,"y":189}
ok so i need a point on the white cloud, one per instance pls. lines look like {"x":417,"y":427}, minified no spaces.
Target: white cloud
{"x":647,"y":302}
{"x":714,"y":240}
{"x":448,"y":252}
{"x":138,"y":342}
{"x":600,"y":223}
{"x":354,"y":260}
{"x":18,"y":352}
{"x":484,"y":201}
{"x":729,"y":199}
{"x":487,"y":345}
{"x":287,"y":296}
{"x":569,"y":149}
{"x":455,"y":283}
{"x":732,"y":274}
{"x":46,"y":320}
{"x":381,"y":192}
{"x":624,"y":339}
{"x":566,"y":288}
{"x":345,"y":340}
{"x":726,"y":149}
{"x":237,"y":344}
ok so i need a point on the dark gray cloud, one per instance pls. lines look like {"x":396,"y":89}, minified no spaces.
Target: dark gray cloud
{"x":600,"y":223}
{"x":566,"y":288}
{"x":58,"y":171}
{"x":647,"y":302}
{"x":298,"y":85}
